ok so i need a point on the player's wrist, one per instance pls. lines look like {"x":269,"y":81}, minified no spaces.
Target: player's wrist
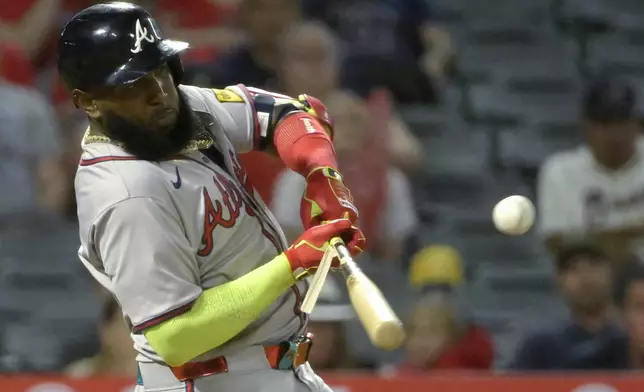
{"x":295,"y":267}
{"x":284,"y":265}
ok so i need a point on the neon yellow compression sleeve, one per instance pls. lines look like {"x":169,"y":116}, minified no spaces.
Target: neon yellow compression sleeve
{"x":220,"y":313}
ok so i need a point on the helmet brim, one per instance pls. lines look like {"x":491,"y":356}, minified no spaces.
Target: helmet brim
{"x":145,"y":62}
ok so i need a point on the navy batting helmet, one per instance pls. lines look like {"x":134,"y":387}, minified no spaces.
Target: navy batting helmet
{"x":112,"y":44}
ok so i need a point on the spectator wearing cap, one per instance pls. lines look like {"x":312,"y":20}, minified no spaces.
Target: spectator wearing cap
{"x":598,"y":188}
{"x":591,"y":338}
{"x":629,"y":297}
{"x":440,"y":335}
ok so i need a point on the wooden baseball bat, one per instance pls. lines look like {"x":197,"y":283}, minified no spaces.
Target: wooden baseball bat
{"x":378,"y":319}
{"x":315,"y":288}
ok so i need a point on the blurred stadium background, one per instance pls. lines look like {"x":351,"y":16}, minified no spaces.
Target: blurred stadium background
{"x":499,"y":89}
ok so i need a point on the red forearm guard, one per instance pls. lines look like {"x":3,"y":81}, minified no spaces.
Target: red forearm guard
{"x":303,"y":144}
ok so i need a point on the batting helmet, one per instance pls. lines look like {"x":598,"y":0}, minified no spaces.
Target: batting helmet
{"x":112,"y":44}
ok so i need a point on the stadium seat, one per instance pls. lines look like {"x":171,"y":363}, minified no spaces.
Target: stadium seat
{"x":48,"y":346}
{"x":614,"y":51}
{"x":518,"y":279}
{"x":614,"y":14}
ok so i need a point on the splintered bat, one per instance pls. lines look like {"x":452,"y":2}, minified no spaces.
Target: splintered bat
{"x":378,"y":319}
{"x":317,"y":282}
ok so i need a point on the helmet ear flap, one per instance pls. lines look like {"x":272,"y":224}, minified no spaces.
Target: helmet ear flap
{"x":176,"y":68}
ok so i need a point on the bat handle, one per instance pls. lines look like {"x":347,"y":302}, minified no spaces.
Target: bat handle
{"x":348,"y":266}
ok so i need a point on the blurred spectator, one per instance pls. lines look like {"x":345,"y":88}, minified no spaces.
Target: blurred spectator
{"x":599,"y":188}
{"x":73,"y":124}
{"x":255,"y":62}
{"x":206,"y":24}
{"x":630,"y":299}
{"x":15,"y":67}
{"x":310,"y":60}
{"x":438,"y":339}
{"x":117,"y":355}
{"x":29,"y":23}
{"x":30,"y":163}
{"x":436,"y":266}
{"x":440,"y":336}
{"x":328,"y":323}
{"x":387,"y":44}
{"x":384,"y":199}
{"x":590,"y":340}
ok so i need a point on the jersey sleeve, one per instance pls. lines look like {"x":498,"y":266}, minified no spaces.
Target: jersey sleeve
{"x":552,"y":197}
{"x":148,"y":259}
{"x":255,"y":113}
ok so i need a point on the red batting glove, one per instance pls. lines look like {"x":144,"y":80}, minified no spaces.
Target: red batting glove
{"x":326,"y":198}
{"x":307,"y":251}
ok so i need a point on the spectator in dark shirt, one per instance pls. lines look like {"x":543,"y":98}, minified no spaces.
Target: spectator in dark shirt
{"x":630,"y":299}
{"x":388,"y":44}
{"x":590,"y":340}
{"x":255,"y":63}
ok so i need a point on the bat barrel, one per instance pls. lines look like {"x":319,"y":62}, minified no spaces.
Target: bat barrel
{"x":380,"y":322}
{"x":389,"y":335}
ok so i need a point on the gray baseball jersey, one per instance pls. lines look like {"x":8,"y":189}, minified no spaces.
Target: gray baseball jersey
{"x":204,"y":225}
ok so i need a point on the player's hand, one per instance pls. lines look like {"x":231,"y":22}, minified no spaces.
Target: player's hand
{"x":307,"y":251}
{"x":326,"y":198}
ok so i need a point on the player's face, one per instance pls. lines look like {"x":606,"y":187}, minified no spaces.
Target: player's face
{"x":586,"y":284}
{"x":612,"y":144}
{"x":151,"y":102}
{"x":634,"y":313}
{"x":150,"y":117}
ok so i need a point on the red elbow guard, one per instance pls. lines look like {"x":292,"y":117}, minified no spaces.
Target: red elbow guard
{"x":303,"y":144}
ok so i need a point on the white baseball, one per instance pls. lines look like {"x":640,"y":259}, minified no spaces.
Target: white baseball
{"x":514,"y":215}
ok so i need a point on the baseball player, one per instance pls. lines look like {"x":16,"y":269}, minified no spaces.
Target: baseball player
{"x":169,"y":223}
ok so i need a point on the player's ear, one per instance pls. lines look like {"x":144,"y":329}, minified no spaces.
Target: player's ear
{"x":83,"y":101}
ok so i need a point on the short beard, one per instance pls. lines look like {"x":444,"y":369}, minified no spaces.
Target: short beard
{"x":151,"y":145}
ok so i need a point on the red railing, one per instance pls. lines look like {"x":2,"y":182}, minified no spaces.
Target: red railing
{"x":456,"y":382}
